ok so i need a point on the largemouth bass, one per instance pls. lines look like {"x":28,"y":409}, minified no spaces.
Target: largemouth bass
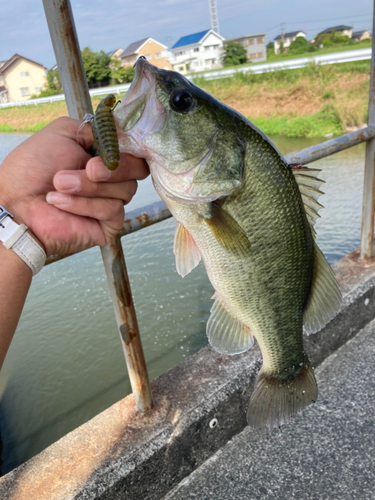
{"x":249,"y":215}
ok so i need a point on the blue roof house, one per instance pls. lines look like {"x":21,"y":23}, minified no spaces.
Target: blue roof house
{"x":197,"y":52}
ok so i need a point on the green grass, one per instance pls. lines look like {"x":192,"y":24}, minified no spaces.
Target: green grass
{"x":325,"y":122}
{"x":31,"y":129}
{"x":280,"y":78}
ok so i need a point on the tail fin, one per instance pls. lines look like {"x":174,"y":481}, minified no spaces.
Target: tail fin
{"x":273,"y":402}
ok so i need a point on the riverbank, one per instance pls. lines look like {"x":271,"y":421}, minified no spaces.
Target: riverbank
{"x":315,"y":101}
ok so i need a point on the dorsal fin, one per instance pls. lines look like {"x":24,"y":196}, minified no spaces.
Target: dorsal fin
{"x":225,"y":332}
{"x":186,"y":251}
{"x":309,"y":184}
{"x":324,"y":301}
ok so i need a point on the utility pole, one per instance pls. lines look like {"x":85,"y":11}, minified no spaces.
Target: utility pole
{"x":214,"y":16}
{"x":282,"y":37}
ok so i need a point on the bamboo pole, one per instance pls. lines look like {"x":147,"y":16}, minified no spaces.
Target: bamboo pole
{"x":68,"y":57}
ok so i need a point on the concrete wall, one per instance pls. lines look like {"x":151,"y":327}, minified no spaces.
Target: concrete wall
{"x":121,"y":454}
{"x":255,"y":46}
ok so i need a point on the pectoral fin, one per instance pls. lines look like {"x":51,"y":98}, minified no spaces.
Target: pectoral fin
{"x":226,"y":333}
{"x":226,"y":230}
{"x":186,"y":251}
{"x":325,"y":298}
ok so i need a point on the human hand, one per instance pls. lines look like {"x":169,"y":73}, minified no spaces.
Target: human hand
{"x":89,"y":212}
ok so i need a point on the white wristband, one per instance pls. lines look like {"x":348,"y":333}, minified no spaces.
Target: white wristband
{"x":16,"y":238}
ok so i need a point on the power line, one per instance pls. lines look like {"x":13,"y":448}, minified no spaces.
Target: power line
{"x":323,"y":20}
{"x":319,"y":21}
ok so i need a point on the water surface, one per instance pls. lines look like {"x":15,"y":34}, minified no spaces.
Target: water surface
{"x":66,"y":364}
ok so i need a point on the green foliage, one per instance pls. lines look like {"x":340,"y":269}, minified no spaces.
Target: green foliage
{"x":119,"y":74}
{"x":269,"y":46}
{"x":325,"y":122}
{"x":46,"y":93}
{"x":96,"y":65}
{"x":234,"y":54}
{"x":328,"y":95}
{"x":54,"y":81}
{"x":330,"y":39}
{"x":34,"y":128}
{"x":6,"y":128}
{"x":299,"y":45}
{"x":54,"y":86}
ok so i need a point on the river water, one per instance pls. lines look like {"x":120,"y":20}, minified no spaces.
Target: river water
{"x":66,"y":365}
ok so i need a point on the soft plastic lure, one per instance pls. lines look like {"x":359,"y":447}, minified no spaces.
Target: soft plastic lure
{"x":104,"y":132}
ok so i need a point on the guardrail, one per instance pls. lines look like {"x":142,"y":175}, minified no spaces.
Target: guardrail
{"x":337,"y":57}
{"x":115,"y":89}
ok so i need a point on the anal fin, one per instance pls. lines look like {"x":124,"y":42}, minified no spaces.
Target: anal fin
{"x":186,"y":251}
{"x":324,"y":301}
{"x":226,"y":333}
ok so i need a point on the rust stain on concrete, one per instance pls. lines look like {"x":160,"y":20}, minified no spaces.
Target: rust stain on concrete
{"x":60,"y":471}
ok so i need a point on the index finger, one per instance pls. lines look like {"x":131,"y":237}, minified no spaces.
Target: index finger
{"x":130,"y":168}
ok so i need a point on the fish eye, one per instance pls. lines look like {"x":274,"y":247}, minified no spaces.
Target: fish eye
{"x":181,"y":101}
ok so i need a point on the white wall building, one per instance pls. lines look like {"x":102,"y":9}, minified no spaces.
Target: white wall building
{"x":198,"y":52}
{"x":287,"y":39}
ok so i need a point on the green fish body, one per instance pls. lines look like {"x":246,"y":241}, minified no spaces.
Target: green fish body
{"x":249,"y":216}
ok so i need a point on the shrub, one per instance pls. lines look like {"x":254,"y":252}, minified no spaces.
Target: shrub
{"x":299,"y":45}
{"x":234,"y":54}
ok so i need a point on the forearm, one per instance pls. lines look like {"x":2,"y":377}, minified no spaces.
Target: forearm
{"x":15,"y":281}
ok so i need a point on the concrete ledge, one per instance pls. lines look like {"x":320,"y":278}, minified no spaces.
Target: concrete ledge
{"x":120,"y":454}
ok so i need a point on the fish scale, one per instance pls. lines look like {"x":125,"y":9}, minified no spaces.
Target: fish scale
{"x":239,"y":207}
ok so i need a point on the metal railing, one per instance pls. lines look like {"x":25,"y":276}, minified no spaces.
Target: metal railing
{"x":64,"y":38}
{"x":114,"y":89}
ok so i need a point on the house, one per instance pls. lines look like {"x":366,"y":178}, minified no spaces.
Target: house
{"x":155,"y":52}
{"x":115,"y":53}
{"x":255,"y":46}
{"x":359,"y":35}
{"x":115,"y":58}
{"x":20,"y":77}
{"x":198,"y":52}
{"x":341,"y":30}
{"x":286,"y":39}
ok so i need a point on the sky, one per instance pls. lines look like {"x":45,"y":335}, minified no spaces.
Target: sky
{"x":111,"y":24}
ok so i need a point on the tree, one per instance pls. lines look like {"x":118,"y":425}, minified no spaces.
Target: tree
{"x":96,"y":66}
{"x":119,"y":74}
{"x":330,"y":39}
{"x":299,"y":45}
{"x":234,"y":54}
{"x":54,"y":86}
{"x":270,"y":46}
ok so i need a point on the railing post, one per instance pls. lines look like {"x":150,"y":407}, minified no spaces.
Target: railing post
{"x":68,"y":57}
{"x":368,"y":207}
{"x":119,"y":286}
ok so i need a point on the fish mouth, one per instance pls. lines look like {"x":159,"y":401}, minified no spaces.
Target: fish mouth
{"x":132,"y":107}
{"x":144,"y":79}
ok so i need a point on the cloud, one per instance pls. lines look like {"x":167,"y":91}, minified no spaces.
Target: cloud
{"x":115,"y":23}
